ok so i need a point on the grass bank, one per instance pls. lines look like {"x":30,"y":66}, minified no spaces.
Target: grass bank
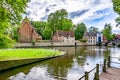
{"x":16,"y":54}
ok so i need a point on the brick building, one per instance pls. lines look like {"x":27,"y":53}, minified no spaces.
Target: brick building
{"x":27,"y":32}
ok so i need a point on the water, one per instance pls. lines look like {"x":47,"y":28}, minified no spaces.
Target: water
{"x":71,"y":66}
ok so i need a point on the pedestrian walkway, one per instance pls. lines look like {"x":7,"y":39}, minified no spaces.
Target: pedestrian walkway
{"x":111,"y":74}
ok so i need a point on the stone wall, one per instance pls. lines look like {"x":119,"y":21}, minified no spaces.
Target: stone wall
{"x":5,"y":65}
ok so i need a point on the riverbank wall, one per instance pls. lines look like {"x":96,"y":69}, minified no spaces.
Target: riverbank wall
{"x":10,"y":64}
{"x":49,"y":44}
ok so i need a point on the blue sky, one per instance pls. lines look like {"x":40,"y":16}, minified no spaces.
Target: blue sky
{"x":92,"y":12}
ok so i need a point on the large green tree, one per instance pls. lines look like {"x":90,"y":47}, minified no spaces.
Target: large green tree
{"x":107,"y":31}
{"x":80,"y":30}
{"x":47,"y":33}
{"x":116,"y":7}
{"x":10,"y":13}
{"x":59,"y":21}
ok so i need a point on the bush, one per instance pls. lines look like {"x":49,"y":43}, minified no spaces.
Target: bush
{"x":33,"y":42}
{"x":83,"y":40}
{"x":6,"y":42}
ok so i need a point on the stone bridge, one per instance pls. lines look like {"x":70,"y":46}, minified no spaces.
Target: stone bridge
{"x":109,"y":43}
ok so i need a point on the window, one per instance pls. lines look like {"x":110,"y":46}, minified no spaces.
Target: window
{"x":59,"y":33}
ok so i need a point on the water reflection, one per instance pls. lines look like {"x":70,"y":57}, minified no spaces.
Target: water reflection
{"x":71,"y":66}
{"x":36,"y":73}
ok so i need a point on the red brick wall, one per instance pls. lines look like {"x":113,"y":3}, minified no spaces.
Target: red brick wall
{"x":27,"y":33}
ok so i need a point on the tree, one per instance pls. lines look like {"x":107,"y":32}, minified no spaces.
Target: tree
{"x":116,"y":7}
{"x":93,"y":29}
{"x":40,"y":26}
{"x":117,"y":21}
{"x":67,"y":25}
{"x":80,"y":30}
{"x":107,"y":31}
{"x":10,"y":13}
{"x":113,"y":36}
{"x":59,"y":21}
{"x":47,"y":33}
{"x":12,"y":31}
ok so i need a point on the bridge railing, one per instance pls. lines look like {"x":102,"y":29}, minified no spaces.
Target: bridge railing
{"x":106,"y":63}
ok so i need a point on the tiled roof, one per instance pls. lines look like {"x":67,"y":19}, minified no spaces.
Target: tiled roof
{"x":64,"y":33}
{"x":117,"y":37}
{"x":90,"y":34}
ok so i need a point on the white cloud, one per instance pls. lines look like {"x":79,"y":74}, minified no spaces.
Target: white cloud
{"x":91,"y":14}
{"x":38,"y":9}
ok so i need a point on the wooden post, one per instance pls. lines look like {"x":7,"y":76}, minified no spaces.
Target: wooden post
{"x":108,"y":64}
{"x":94,"y":76}
{"x":86,"y":75}
{"x":97,"y":72}
{"x":104,"y":66}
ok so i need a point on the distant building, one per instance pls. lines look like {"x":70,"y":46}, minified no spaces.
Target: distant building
{"x":27,"y":33}
{"x":92,"y":29}
{"x":117,"y":38}
{"x":104,"y":39}
{"x":64,"y":37}
{"x":99,"y":37}
{"x":93,"y":37}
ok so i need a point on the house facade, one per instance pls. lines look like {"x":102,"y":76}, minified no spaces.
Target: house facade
{"x":67,"y":37}
{"x":27,"y":33}
{"x":104,"y":39}
{"x":99,"y":37}
{"x":93,"y":37}
{"x":117,"y":38}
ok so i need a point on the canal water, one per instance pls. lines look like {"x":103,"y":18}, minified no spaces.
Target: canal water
{"x":71,"y":66}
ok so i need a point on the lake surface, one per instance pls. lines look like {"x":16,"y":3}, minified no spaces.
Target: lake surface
{"x":71,"y":66}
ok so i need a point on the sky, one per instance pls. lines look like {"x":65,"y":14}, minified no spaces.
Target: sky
{"x":94,"y":13}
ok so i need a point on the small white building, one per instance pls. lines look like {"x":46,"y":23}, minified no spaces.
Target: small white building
{"x":93,"y":37}
{"x":90,"y":37}
{"x":99,"y":37}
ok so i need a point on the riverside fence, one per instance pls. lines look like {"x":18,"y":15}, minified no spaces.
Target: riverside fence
{"x":107,"y":63}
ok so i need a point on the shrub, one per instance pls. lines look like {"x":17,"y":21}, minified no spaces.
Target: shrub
{"x":83,"y":40}
{"x":6,"y":42}
{"x":33,"y":42}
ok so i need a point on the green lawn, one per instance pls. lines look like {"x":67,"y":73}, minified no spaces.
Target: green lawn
{"x":13,"y":54}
